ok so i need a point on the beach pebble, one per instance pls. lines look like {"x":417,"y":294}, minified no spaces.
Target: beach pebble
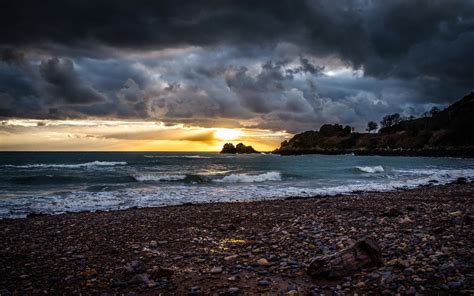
{"x":194,"y":291}
{"x":408,"y":271}
{"x":231,"y":257}
{"x":411,"y":291}
{"x":455,"y":284}
{"x":137,"y":265}
{"x":392,"y":212}
{"x":233,"y":290}
{"x":405,"y":221}
{"x":141,"y":278}
{"x":263,"y":283}
{"x":216,"y":270}
{"x":262,"y":262}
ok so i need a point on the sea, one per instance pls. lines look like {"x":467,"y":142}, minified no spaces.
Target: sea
{"x":59,"y":182}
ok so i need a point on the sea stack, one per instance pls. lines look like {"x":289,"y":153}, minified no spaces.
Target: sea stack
{"x":238,"y":149}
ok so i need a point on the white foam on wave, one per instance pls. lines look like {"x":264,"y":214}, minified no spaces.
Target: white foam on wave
{"x":211,"y":172}
{"x":157,"y":178}
{"x":177,"y":193}
{"x":371,"y":169}
{"x":77,"y":165}
{"x":246,"y":178}
{"x":443,"y":176}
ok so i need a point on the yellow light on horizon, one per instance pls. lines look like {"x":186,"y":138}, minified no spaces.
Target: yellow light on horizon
{"x":227,"y":134}
{"x":115,"y":135}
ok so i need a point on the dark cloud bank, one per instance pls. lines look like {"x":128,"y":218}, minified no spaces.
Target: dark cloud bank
{"x":276,"y":64}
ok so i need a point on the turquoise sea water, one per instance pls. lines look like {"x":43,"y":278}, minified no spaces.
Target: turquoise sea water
{"x":56,"y":182}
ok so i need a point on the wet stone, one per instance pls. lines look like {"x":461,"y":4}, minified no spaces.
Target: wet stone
{"x":263,"y":283}
{"x":216,"y":270}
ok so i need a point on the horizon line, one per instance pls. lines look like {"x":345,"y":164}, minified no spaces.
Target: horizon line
{"x":112,"y":151}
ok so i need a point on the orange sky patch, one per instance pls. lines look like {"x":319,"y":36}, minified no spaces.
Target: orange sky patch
{"x":103,"y":135}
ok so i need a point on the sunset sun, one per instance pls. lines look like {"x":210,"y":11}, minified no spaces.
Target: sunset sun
{"x":227,"y":134}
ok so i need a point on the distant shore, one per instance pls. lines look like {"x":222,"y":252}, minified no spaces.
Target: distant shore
{"x":425,"y":236}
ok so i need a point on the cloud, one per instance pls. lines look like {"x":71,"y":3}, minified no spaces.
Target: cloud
{"x":177,"y":134}
{"x":11,"y":56}
{"x":289,"y":65}
{"x":61,"y":82}
{"x":134,"y":98}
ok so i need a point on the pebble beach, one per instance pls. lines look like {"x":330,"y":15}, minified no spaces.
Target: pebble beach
{"x":246,"y":248}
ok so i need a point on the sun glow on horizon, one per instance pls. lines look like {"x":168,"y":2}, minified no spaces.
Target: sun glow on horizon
{"x":227,"y":134}
{"x":110,"y":135}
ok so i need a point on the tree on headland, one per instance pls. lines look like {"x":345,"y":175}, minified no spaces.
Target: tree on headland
{"x":390,"y":120}
{"x":335,"y":129}
{"x":371,"y":126}
{"x":435,"y":110}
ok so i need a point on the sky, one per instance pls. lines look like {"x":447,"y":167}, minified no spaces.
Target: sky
{"x":192,"y":75}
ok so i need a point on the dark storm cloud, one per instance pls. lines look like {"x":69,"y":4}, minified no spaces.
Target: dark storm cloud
{"x":63,"y":83}
{"x":11,"y":56}
{"x":307,"y":66}
{"x":17,"y":91}
{"x":378,"y":35}
{"x":254,"y":92}
{"x":266,"y":62}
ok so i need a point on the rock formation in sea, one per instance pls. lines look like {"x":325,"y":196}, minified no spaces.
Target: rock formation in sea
{"x":239,"y":148}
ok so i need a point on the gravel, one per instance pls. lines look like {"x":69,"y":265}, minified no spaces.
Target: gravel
{"x":425,"y":236}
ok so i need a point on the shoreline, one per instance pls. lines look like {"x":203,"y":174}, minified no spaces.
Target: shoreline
{"x":460,"y":180}
{"x":461,"y":153}
{"x":215,"y":248}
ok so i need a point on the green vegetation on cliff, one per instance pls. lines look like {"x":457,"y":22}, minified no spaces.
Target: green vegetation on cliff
{"x":449,"y":132}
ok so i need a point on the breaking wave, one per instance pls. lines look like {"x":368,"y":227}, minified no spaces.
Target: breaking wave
{"x":246,"y":178}
{"x":157,"y":178}
{"x":78,"y":165}
{"x":371,"y":169}
{"x":177,"y":156}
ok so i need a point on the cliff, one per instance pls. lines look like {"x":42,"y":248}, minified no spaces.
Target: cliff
{"x":447,"y":133}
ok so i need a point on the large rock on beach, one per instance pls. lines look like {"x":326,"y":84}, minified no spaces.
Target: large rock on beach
{"x":364,"y":253}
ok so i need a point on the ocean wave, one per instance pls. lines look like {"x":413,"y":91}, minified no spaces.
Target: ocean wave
{"x":69,"y":179}
{"x":441,"y":175}
{"x":177,"y":156}
{"x":246,"y":178}
{"x":104,"y":199}
{"x":78,"y":165}
{"x":42,"y":180}
{"x":432,"y":171}
{"x":371,"y":169}
{"x":157,"y":178}
{"x":213,"y":172}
